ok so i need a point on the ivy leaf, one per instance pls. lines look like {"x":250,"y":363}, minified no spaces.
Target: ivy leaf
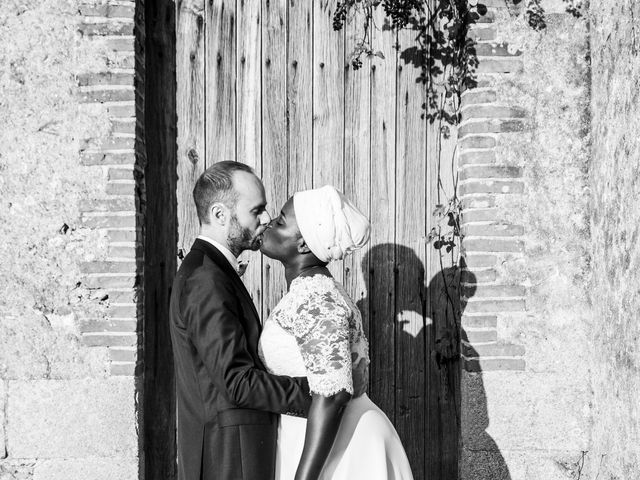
{"x":379,"y":54}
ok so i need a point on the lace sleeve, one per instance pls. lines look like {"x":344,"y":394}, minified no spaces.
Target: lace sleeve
{"x":320,"y":324}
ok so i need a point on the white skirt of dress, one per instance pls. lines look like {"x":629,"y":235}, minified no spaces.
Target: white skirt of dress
{"x":367,"y":446}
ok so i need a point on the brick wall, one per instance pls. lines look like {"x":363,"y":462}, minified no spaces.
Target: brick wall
{"x":68,"y":321}
{"x":523,"y":153}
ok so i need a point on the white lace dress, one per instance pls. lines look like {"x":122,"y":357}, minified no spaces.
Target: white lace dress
{"x":316,"y":331}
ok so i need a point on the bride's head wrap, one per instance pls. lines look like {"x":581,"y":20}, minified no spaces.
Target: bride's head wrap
{"x":329,"y":223}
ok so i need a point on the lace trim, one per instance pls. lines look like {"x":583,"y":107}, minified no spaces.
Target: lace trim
{"x":327,"y":327}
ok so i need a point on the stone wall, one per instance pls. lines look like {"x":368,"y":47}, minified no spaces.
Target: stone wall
{"x":68,"y":314}
{"x":523,"y":162}
{"x":615,"y":226}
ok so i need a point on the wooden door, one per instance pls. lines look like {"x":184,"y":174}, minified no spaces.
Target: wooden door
{"x":269,"y":83}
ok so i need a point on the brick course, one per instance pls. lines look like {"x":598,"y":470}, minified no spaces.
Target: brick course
{"x":118,"y":212}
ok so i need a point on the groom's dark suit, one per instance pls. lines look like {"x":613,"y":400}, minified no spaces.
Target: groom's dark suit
{"x":227,"y":402}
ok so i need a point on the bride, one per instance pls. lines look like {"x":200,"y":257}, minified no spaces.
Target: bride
{"x":316,"y":331}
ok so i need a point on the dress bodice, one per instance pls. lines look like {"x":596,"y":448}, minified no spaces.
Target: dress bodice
{"x":315,"y":331}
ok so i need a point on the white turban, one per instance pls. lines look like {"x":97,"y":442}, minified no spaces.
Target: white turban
{"x":329,"y":223}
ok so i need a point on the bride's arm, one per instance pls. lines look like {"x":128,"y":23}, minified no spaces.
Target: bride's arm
{"x":322,"y":426}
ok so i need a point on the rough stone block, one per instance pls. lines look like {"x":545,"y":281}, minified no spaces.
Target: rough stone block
{"x":480,"y":335}
{"x":119,"y":236}
{"x":522,"y":411}
{"x":479,"y":215}
{"x":499,"y":65}
{"x":72,"y":418}
{"x":122,"y":468}
{"x":482,"y":33}
{"x":123,"y":188}
{"x":479,"y":321}
{"x":113,"y":204}
{"x":123,"y":354}
{"x":123,"y":173}
{"x":105,"y":78}
{"x":129,"y":310}
{"x":492,"y":111}
{"x":126,"y":369}
{"x":476,"y":261}
{"x":107,"y":28}
{"x":490,"y":172}
{"x":493,"y":125}
{"x":108,"y":267}
{"x":496,"y":291}
{"x":109,"y":281}
{"x":493,"y":364}
{"x":476,"y":157}
{"x":109,"y":339}
{"x":477,"y":141}
{"x":475,"y":96}
{"x":477,"y":276}
{"x":117,"y":143}
{"x":493,"y":230}
{"x":491,"y":186}
{"x":495,"y":50}
{"x":109,"y":221}
{"x":121,"y":110}
{"x":108,"y":325}
{"x":3,"y":407}
{"x":479,"y":202}
{"x":124,"y":43}
{"x":100,"y":158}
{"x":123,"y":126}
{"x":110,"y":95}
{"x":17,"y":469}
{"x":123,"y":296}
{"x":122,"y":251}
{"x":492,"y":350}
{"x":472,"y":244}
{"x":495,"y":306}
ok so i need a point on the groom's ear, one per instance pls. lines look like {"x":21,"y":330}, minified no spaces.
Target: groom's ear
{"x":303,"y":247}
{"x":218,"y":214}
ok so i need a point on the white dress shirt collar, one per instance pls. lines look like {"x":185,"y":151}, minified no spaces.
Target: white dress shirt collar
{"x":233,"y":261}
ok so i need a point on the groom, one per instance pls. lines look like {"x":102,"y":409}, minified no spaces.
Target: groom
{"x":228,"y":404}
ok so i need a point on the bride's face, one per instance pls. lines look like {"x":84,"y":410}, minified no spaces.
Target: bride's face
{"x":282,"y":238}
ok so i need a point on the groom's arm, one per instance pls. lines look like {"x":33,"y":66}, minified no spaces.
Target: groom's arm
{"x":212,"y":317}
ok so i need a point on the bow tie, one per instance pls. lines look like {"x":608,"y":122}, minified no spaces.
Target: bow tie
{"x":242,"y":267}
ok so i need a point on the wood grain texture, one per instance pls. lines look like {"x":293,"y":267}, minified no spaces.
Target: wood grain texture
{"x":300,"y":95}
{"x":411,"y":325}
{"x":249,"y":117}
{"x":357,"y":162}
{"x":274,"y":133}
{"x":381,"y":254}
{"x":190,"y":99}
{"x":328,"y":104}
{"x":220,"y":128}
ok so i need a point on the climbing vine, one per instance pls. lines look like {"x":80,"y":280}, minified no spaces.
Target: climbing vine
{"x":445,"y":59}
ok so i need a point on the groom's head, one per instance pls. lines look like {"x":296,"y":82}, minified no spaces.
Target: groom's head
{"x":231,"y":205}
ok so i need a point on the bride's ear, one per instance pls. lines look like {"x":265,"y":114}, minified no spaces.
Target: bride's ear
{"x":303,"y":247}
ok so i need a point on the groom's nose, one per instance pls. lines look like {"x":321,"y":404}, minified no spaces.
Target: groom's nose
{"x":265,"y":218}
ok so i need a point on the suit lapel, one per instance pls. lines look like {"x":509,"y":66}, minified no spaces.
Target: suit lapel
{"x":214,"y":254}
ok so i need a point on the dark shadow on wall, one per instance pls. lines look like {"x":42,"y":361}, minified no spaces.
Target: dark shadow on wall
{"x":428,"y":324}
{"x":156,"y":120}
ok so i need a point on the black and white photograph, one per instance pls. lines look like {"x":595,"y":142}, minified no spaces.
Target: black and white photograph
{"x":320,"y":240}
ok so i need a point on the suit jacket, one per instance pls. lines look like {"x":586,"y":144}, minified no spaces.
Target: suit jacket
{"x":228,"y":404}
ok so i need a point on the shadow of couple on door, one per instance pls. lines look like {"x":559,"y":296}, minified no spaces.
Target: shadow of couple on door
{"x":429,"y":328}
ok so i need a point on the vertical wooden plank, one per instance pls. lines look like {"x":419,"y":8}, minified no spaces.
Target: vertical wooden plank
{"x":410,"y":259}
{"x":220,"y":81}
{"x":357,"y":158}
{"x":442,"y":388}
{"x":274,"y":132}
{"x":249,"y":117}
{"x":190,"y":100}
{"x":328,"y":104}
{"x":300,"y":95}
{"x":381,"y":254}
